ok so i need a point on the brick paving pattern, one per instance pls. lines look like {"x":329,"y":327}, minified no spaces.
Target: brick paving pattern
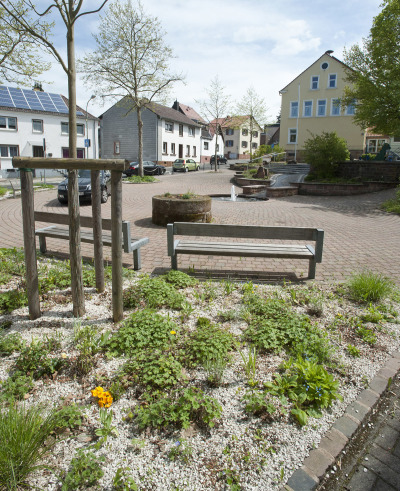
{"x":357,"y":234}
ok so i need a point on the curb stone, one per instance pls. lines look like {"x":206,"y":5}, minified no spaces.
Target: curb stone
{"x":320,"y":460}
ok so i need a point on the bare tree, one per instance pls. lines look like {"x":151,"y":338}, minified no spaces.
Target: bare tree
{"x":253,"y":106}
{"x":215,"y":108}
{"x":130,"y":60}
{"x":30,"y":22}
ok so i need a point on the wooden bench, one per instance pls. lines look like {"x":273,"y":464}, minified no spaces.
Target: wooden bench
{"x":245,"y":249}
{"x":57,"y":232}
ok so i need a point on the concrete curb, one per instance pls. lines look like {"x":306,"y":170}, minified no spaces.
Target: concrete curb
{"x":320,"y":460}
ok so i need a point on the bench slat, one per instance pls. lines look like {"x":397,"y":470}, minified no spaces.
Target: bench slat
{"x":62,"y":219}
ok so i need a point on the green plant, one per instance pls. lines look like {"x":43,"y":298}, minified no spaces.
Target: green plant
{"x":3,"y":191}
{"x":12,"y":261}
{"x":106,"y":429}
{"x":5,"y":324}
{"x":214,"y":368}
{"x":258,"y":402}
{"x":16,"y":386}
{"x":35,"y":360}
{"x":353,"y":350}
{"x":366,"y":335}
{"x":368,"y":286}
{"x":89,"y":342}
{"x":232,"y":478}
{"x":181,"y":450}
{"x":10,"y":343}
{"x":85,"y":471}
{"x":229,"y":287}
{"x":249,"y":363}
{"x":323,"y":151}
{"x":69,"y":416}
{"x":142,"y":330}
{"x":12,"y":300}
{"x":392,"y":205}
{"x":179,"y":279}
{"x":188,"y":195}
{"x":227,"y":315}
{"x":122,"y":481}
{"x":178,"y":409}
{"x":24,"y":441}
{"x":153,"y":293}
{"x":139,"y":180}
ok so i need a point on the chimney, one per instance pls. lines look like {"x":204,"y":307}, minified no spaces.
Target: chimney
{"x":38,"y":87}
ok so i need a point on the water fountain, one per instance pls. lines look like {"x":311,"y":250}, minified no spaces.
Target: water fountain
{"x":233,"y":194}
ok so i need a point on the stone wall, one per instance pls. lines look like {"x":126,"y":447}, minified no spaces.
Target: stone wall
{"x":325,"y":189}
{"x":370,"y":170}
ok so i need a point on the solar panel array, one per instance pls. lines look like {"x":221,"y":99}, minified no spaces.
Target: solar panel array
{"x":34,"y":100}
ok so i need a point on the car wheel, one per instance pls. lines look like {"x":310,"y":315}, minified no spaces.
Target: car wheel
{"x":104,"y":195}
{"x":186,"y":169}
{"x":63,"y":201}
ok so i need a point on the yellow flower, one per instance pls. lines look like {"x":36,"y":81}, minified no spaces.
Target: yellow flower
{"x":97,"y":392}
{"x":64,"y":355}
{"x":172,"y":332}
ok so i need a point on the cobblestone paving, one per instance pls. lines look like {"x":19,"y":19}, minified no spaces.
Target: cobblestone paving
{"x":357,"y":234}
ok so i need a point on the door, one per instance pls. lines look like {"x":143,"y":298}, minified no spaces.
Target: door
{"x":38,"y":151}
{"x":180,"y":151}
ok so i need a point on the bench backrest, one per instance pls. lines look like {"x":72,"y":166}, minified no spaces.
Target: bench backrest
{"x":62,"y":219}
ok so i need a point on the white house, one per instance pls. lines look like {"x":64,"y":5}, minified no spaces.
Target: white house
{"x":34,"y":123}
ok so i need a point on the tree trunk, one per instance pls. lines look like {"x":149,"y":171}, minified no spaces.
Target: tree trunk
{"x":215,"y":149}
{"x":140,"y":136}
{"x":78,"y":298}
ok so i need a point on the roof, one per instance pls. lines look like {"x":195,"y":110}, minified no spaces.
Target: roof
{"x":230,"y":121}
{"x":188,"y":111}
{"x":165,"y":112}
{"x":327,"y":53}
{"x":34,"y":101}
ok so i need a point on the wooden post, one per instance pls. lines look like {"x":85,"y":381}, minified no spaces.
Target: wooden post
{"x":78,"y":297}
{"x":97,"y":230}
{"x":28,"y":223}
{"x":116,"y":246}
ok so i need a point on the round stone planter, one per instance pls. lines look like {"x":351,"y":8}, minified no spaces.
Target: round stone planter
{"x":170,"y":209}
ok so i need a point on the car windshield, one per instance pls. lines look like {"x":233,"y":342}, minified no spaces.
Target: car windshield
{"x":179,"y":161}
{"x":84,"y":173}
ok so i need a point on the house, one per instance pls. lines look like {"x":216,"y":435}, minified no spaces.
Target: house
{"x":270,"y":135}
{"x":167,"y":133}
{"x":238,"y":136}
{"x":209,"y":136}
{"x":34,"y":123}
{"x":310,"y":105}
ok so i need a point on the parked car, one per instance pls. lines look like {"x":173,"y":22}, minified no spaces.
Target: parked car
{"x":185,"y":165}
{"x":220,"y":159}
{"x":85,"y":186}
{"x":149,"y":169}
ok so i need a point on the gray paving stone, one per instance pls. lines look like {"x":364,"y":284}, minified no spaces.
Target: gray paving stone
{"x":383,"y":471}
{"x":386,"y":457}
{"x":381,"y":485}
{"x":368,"y":398}
{"x":302,"y":481}
{"x":378,"y":385}
{"x":387,"y":438}
{"x":333,"y":442}
{"x":318,"y":461}
{"x":358,"y":410}
{"x":362,"y":481}
{"x":346,"y":425}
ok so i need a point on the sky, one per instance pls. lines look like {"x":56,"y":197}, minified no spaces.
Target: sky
{"x":263,"y":44}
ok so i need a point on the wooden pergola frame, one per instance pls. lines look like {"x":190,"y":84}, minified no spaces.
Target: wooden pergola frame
{"x":116,"y":166}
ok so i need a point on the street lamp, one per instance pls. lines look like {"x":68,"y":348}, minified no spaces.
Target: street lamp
{"x":87,"y":132}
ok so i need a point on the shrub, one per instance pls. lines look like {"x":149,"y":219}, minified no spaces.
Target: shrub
{"x":369,"y":287}
{"x":179,"y":279}
{"x":323,"y":151}
{"x":10,"y":343}
{"x":16,"y":386}
{"x":23,"y":433}
{"x":12,"y":261}
{"x":154,"y":293}
{"x":68,"y":416}
{"x":12,"y":300}
{"x":35,"y":360}
{"x":143,"y":329}
{"x":85,"y":471}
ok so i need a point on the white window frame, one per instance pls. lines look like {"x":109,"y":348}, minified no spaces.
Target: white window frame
{"x":321,"y":105}
{"x":229,"y":143}
{"x":330,"y":80}
{"x":351,"y":109}
{"x":253,"y":144}
{"x":117,"y":148}
{"x":292,"y":131}
{"x":165,"y":148}
{"x":80,"y":126}
{"x":244,"y":144}
{"x":169,"y":126}
{"x":194,"y":151}
{"x":229,"y":131}
{"x":7,"y":123}
{"x":33,"y":125}
{"x":304,"y":109}
{"x":294,"y":109}
{"x":312,"y":82}
{"x":64,"y":128}
{"x":187,"y":150}
{"x":8,"y":151}
{"x":245,"y":132}
{"x":192,"y":131}
{"x":205,"y":145}
{"x":173,"y":149}
{"x":255,"y":134}
{"x":181,"y":130}
{"x":335,"y":106}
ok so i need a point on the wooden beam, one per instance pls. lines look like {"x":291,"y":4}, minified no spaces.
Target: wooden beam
{"x":28,"y":223}
{"x":97,"y":230}
{"x":50,"y":163}
{"x":116,"y":248}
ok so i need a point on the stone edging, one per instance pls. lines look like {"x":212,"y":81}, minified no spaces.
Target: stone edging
{"x":318,"y":463}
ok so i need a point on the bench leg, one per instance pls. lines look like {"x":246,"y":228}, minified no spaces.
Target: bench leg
{"x":311,"y":269}
{"x":42,"y":244}
{"x":137,"y":259}
{"x":174,"y":262}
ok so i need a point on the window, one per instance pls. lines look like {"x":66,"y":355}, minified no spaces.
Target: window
{"x":172,"y":148}
{"x":194,"y":152}
{"x":205,"y":145}
{"x":332,"y":81}
{"x":229,"y":131}
{"x":375,"y":146}
{"x":244,"y":144}
{"x":229,"y":143}
{"x":192,"y":130}
{"x":116,"y":148}
{"x":255,"y":134}
{"x":80,"y":153}
{"x":335,"y":107}
{"x":9,"y":151}
{"x":292,"y":135}
{"x":245,"y":132}
{"x":37,"y":151}
{"x":80,"y":129}
{"x":169,"y":126}
{"x":187,"y":150}
{"x":8,"y":123}
{"x":294,"y":109}
{"x":254,"y":145}
{"x":307,"y":109}
{"x":37,"y":125}
{"x":181,"y":130}
{"x":351,"y":109}
{"x":64,"y":128}
{"x":321,"y":111}
{"x":315,"y":82}
{"x":165,"y":148}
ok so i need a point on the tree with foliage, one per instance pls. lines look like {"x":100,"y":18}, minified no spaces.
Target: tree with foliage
{"x":20,"y":60}
{"x":267,"y":149}
{"x":375,"y":73}
{"x":253,"y":106}
{"x":322,"y":152}
{"x":215,"y":108}
{"x":130,"y":61}
{"x":29,"y":21}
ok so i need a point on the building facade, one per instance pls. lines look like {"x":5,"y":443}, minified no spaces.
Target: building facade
{"x":241,"y":136}
{"x":311,"y":105}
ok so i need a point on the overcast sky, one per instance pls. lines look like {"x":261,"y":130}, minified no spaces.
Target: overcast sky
{"x":262,"y":44}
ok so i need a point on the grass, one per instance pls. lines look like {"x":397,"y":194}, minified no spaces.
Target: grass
{"x":392,"y":205}
{"x":139,"y":180}
{"x":369,"y":287}
{"x":3,"y":191}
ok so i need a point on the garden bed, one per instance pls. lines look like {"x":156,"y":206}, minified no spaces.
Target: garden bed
{"x":193,"y":405}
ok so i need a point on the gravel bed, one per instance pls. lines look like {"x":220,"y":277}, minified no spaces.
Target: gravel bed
{"x":261,"y":453}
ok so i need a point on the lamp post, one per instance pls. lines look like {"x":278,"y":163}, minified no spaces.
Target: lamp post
{"x":87,"y":133}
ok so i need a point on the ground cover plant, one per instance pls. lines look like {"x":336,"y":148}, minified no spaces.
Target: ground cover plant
{"x":210,"y":385}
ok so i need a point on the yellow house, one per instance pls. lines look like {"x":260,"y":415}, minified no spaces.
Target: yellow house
{"x":310,"y":105}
